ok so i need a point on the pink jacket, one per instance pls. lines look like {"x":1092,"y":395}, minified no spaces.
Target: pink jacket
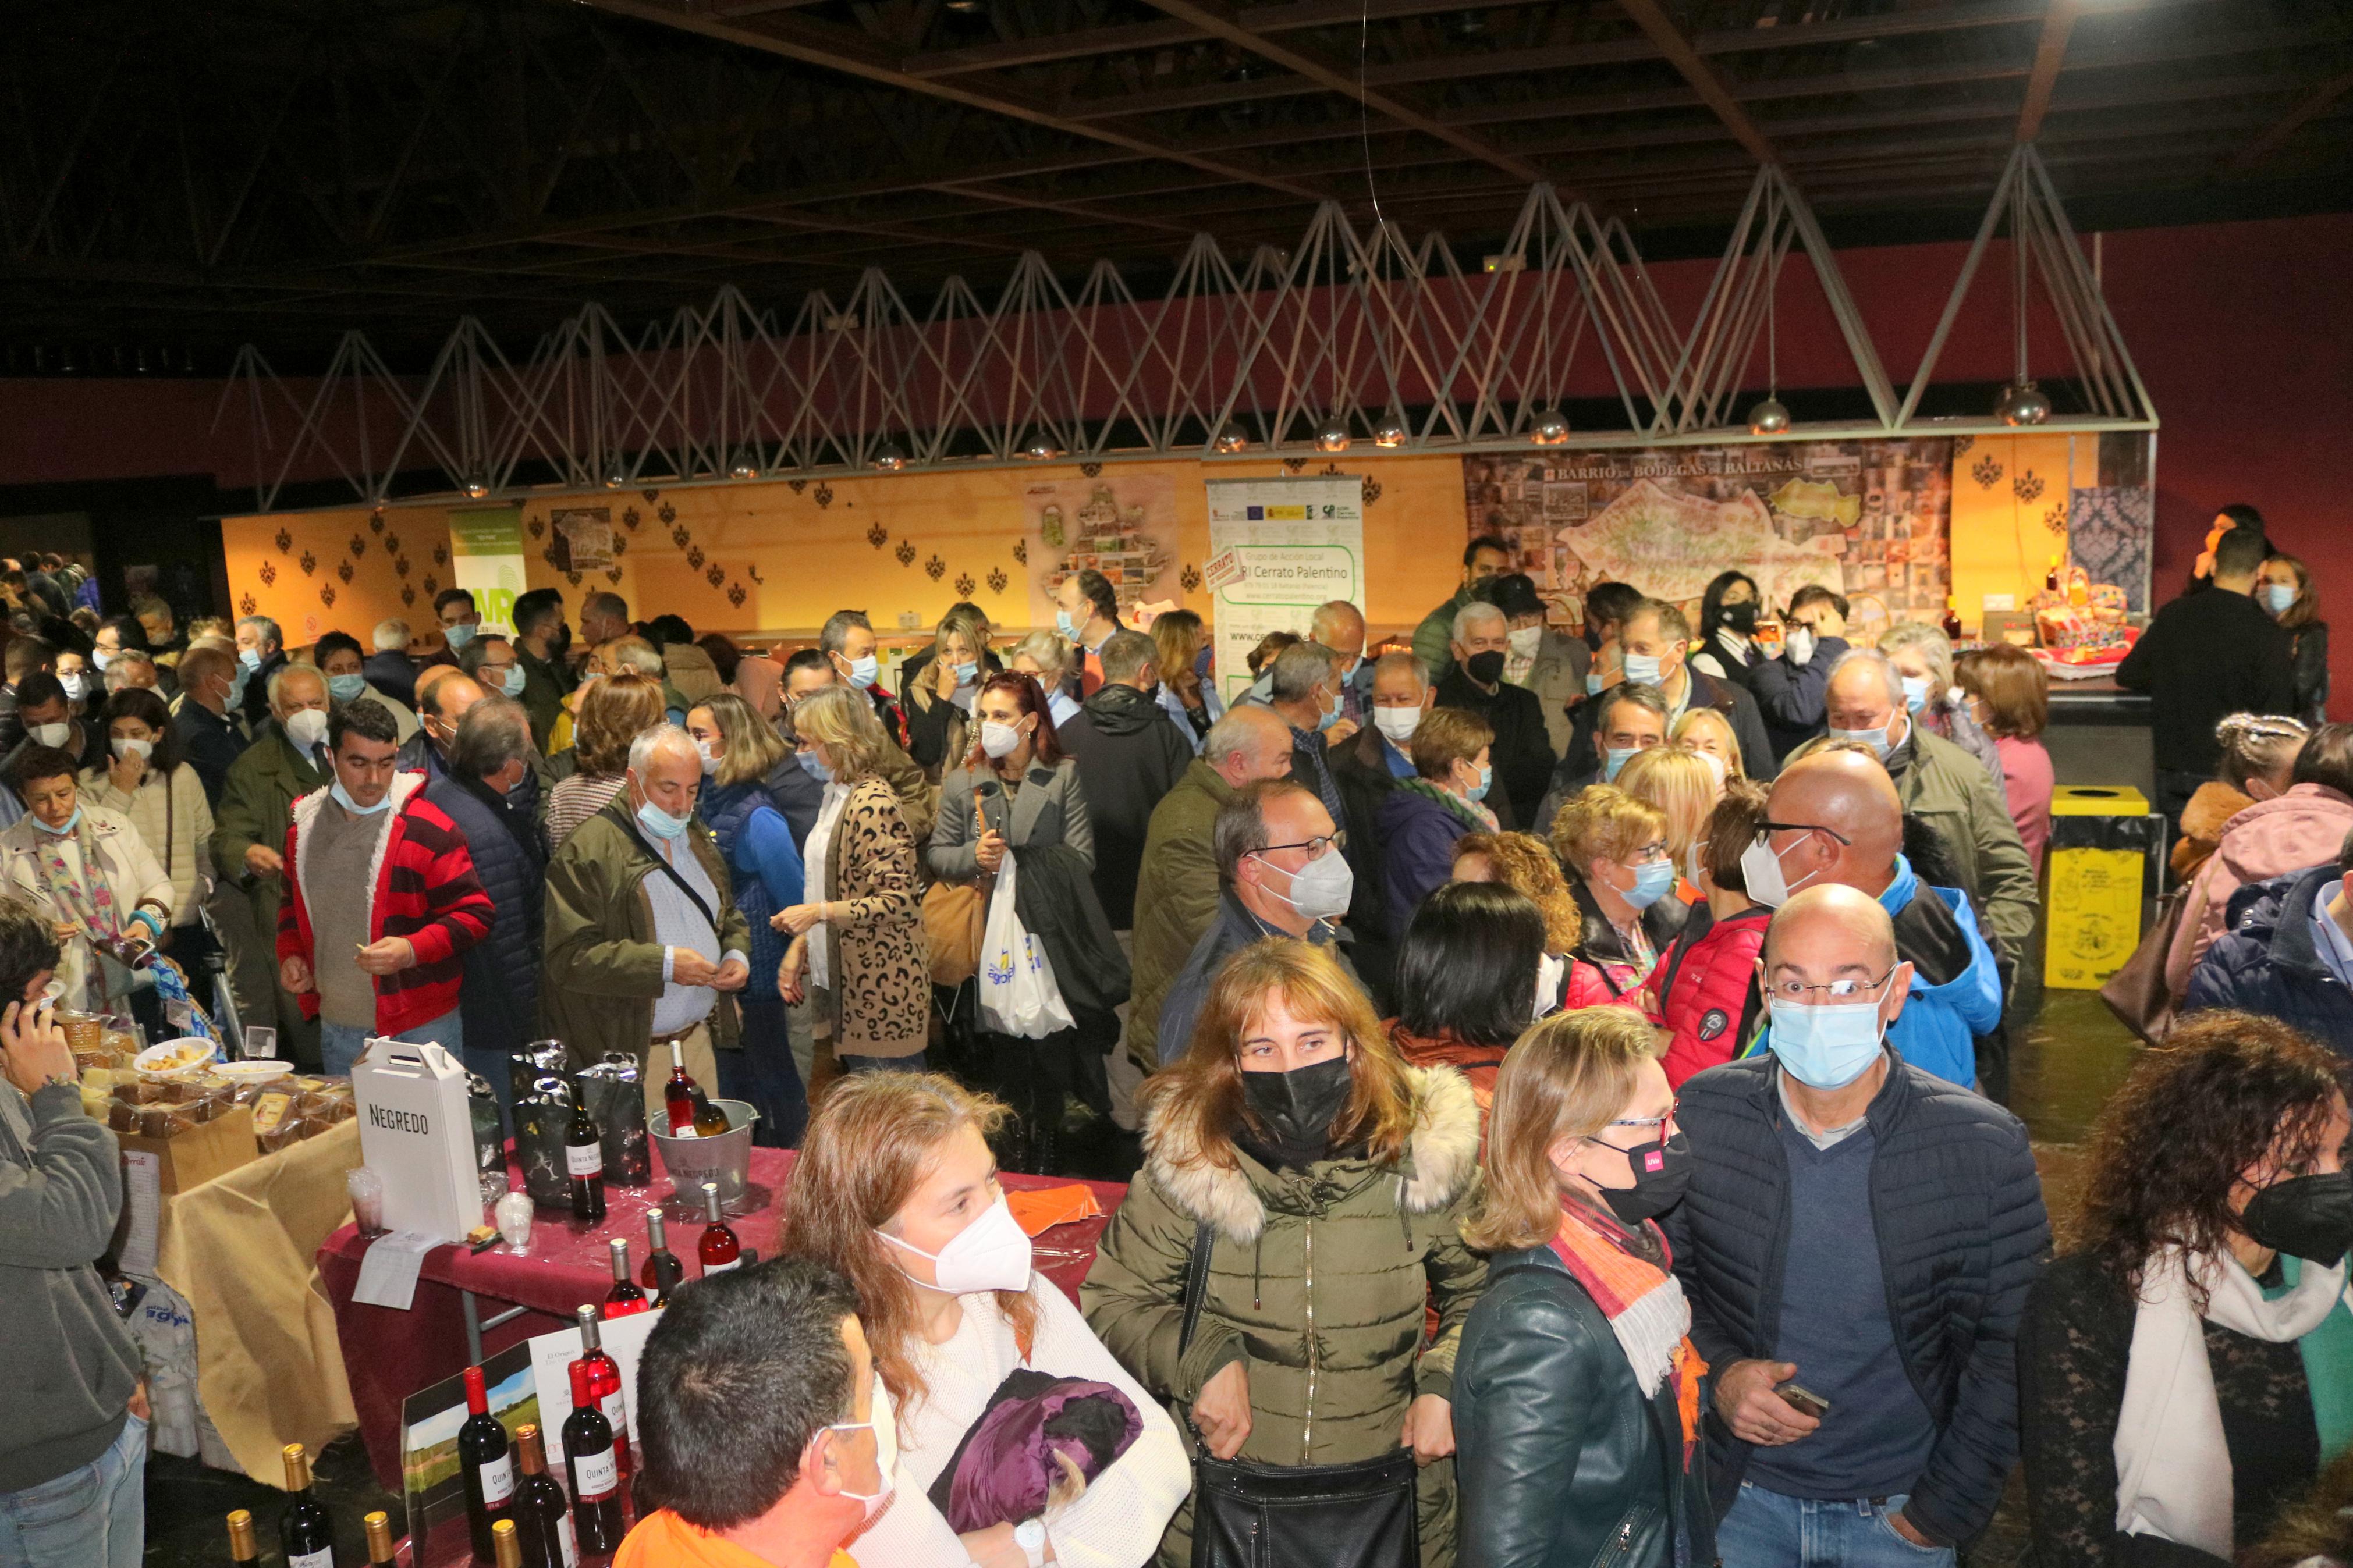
{"x":2303,"y":828}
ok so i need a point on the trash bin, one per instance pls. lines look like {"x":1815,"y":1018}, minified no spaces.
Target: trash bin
{"x":2105,"y":868}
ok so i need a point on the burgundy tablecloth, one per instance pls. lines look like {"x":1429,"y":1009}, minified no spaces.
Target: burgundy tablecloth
{"x":391,"y":1354}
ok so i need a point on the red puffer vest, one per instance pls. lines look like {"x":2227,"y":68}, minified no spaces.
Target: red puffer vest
{"x":1705,"y":986}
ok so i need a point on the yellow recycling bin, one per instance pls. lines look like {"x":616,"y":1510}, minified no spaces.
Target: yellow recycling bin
{"x":2101,"y":840}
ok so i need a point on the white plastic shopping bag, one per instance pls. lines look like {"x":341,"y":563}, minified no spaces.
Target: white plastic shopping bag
{"x":1018,"y":993}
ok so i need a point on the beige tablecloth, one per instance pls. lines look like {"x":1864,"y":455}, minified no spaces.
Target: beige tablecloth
{"x":241,"y":1249}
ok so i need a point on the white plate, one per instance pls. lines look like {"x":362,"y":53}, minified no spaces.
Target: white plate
{"x":161,"y":1060}
{"x":260,"y":1071}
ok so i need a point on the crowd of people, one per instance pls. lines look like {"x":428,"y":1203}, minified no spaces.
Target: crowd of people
{"x":1559,"y":1072}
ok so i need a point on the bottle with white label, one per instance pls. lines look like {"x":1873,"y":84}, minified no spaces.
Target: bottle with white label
{"x":486,"y":1464}
{"x":584,"y":1159}
{"x":594,"y":1469}
{"x":306,"y":1531}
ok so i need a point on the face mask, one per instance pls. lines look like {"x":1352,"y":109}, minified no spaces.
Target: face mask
{"x":1479,"y":791}
{"x":814,"y":765}
{"x":344,"y":688}
{"x":1652,"y":879}
{"x":1298,"y":1106}
{"x":1064,"y":625}
{"x":1486,"y":668}
{"x":1525,"y":641}
{"x":885,"y":1427}
{"x":967,"y":674}
{"x":992,"y":1253}
{"x":77,"y":685}
{"x":1826,"y":1048}
{"x":2278,"y":598}
{"x":344,"y":798}
{"x":1760,"y":872}
{"x":50,"y":735}
{"x":1549,"y":968}
{"x":1741,"y":617}
{"x":1321,"y":891}
{"x":1397,"y":724}
{"x":100,"y":657}
{"x":511,"y":681}
{"x":1801,"y":644}
{"x":1330,"y":716}
{"x":1876,"y":739}
{"x":999,"y":739}
{"x":459,"y":635}
{"x":1614,"y":759}
{"x":1916,"y":692}
{"x":142,"y":750}
{"x":1714,"y":765}
{"x":2309,"y":1217}
{"x":1661,"y":1171}
{"x":1594,"y":685}
{"x":306,"y":727}
{"x":1642,"y":669}
{"x":661,"y":822}
{"x":70,"y":824}
{"x":1692,"y":867}
{"x":249,"y":657}
{"x":710,"y":758}
{"x":865,"y":672}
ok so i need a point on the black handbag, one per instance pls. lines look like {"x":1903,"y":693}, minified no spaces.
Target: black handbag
{"x":1249,"y":1515}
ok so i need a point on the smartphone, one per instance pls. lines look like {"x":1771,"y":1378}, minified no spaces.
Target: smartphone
{"x":1802,"y":1400}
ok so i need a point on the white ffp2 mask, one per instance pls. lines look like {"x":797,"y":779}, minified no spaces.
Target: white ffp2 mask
{"x":992,"y":1253}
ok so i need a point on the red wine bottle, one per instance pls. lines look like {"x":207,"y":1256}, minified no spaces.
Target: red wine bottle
{"x":624,"y":1298}
{"x":378,"y":1527}
{"x":306,"y":1531}
{"x":543,"y":1518}
{"x":678,"y":1094}
{"x":507,"y":1547}
{"x":243,"y":1553}
{"x":486,"y":1465}
{"x":663,"y":1272}
{"x":604,"y":1385}
{"x":584,"y":1159}
{"x":592,"y":1464}
{"x":719,"y":1251}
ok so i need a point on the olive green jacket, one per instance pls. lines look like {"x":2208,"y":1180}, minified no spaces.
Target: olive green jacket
{"x":1176,"y":899}
{"x":256,"y":806}
{"x":1321,"y":1283}
{"x":1951,"y":790}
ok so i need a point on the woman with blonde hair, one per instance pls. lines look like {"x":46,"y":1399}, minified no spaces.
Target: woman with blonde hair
{"x":1290,"y":1086}
{"x":1190,"y":700}
{"x":1613,"y":849}
{"x":859,"y":939}
{"x":611,"y":713}
{"x":1577,"y":1388}
{"x":1685,"y":787}
{"x":940,"y":695}
{"x":1709,"y":732}
{"x":895,"y":1190}
{"x":1524,"y":863}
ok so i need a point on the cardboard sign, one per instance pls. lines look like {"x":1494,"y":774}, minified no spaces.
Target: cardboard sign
{"x":416,"y":1132}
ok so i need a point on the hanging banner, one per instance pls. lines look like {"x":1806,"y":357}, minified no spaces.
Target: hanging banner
{"x":1278,"y":548}
{"x":486,"y":558}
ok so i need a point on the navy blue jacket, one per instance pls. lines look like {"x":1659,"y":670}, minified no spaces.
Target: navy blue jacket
{"x":499,"y":997}
{"x":2266,"y":961}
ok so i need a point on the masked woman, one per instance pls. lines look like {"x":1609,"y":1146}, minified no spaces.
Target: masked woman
{"x":895,"y":1190}
{"x":1330,"y":1181}
{"x":1614,"y":850}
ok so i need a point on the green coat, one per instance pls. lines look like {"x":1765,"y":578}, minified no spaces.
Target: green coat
{"x":256,"y":805}
{"x":1176,"y":899}
{"x":601,"y":972}
{"x":1952,"y":791}
{"x":1321,"y":1282}
{"x":1433,"y":640}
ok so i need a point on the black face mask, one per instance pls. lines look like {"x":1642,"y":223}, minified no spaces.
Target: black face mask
{"x":2309,"y":1217}
{"x":1297,"y":1107}
{"x":561,"y":643}
{"x":1742,"y":618}
{"x":1661,"y":1171}
{"x":1486,"y":668}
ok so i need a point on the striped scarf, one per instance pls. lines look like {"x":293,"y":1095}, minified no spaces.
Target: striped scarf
{"x":1645,"y":1307}
{"x":1474,"y":816}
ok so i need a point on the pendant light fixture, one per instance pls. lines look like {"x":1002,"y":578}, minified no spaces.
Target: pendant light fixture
{"x":2021,"y":402}
{"x":743,"y":465}
{"x":1550,"y":428}
{"x":888,"y":458}
{"x":1332,"y":436}
{"x":1391,"y":430}
{"x":476,"y":486}
{"x":1230,"y":438}
{"x":1769,"y":416}
{"x":1039,"y":449}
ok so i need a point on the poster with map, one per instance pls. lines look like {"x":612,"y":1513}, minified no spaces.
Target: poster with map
{"x":1870,"y":519}
{"x":1123,"y":525}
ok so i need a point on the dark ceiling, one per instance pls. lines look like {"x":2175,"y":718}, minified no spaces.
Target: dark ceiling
{"x":179,"y":176}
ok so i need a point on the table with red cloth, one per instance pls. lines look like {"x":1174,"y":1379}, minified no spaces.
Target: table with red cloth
{"x":390,"y":1354}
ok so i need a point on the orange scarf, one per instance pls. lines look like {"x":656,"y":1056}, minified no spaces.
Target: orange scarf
{"x":1646,"y":1310}
{"x":662,"y":1540}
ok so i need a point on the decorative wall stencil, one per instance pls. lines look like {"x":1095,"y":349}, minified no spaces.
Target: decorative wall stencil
{"x":392,"y":542}
{"x":346,"y":570}
{"x":997,"y":578}
{"x":1985,"y":470}
{"x":1021,"y":552}
{"x":964,"y":584}
{"x":934,"y":568}
{"x":431,"y":585}
{"x":735,"y":595}
{"x":375,"y":522}
{"x":285,"y":542}
{"x":1190,"y":577}
{"x":408,"y":594}
{"x":2026,"y":486}
{"x":2108,"y":532}
{"x":679,"y":536}
{"x":694,"y":559}
{"x":440,"y":552}
{"x":612,"y":575}
{"x":1090,"y":469}
{"x":905,"y":552}
{"x":247,"y":604}
{"x":327,"y":595}
{"x":573,"y":578}
{"x":400,"y":566}
{"x":269,"y":573}
{"x":824,"y":495}
{"x":651,"y":496}
{"x":535,"y":526}
{"x":666,"y":513}
{"x":716,"y":576}
{"x":797,"y":486}
{"x":359,"y":547}
{"x":308,"y":563}
{"x":876,"y":534}
{"x":2055,"y":519}
{"x":630,"y":517}
{"x":1372,"y":491}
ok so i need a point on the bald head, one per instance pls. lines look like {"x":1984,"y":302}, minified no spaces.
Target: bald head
{"x":1340,"y":626}
{"x":450,"y":696}
{"x":1844,"y":823}
{"x":1849,"y":927}
{"x":1251,"y":742}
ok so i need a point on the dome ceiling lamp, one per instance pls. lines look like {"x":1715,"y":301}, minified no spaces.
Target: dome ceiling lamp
{"x":2021,"y":402}
{"x":1769,"y":416}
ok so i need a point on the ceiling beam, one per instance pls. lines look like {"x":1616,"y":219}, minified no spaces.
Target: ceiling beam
{"x":2314,"y":103}
{"x":1713,"y":91}
{"x":2050,"y":51}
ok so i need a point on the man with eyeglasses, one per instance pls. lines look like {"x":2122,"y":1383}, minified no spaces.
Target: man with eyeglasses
{"x":1284,"y":868}
{"x":1856,"y":1244}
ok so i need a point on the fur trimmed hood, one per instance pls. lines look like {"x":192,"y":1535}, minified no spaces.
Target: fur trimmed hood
{"x":1441,"y":1155}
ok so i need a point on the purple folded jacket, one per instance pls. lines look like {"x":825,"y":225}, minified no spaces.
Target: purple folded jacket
{"x":1005,"y":1465}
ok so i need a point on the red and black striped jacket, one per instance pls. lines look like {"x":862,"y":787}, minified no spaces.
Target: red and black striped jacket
{"x":422,"y":887}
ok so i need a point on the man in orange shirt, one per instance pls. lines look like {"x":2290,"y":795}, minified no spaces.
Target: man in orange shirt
{"x":765,"y":1435}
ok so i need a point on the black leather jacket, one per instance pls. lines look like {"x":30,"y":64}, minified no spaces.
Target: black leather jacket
{"x":1560,"y":1460}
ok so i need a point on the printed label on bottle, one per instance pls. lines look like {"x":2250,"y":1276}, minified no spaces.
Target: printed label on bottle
{"x":711,"y":1268}
{"x":323,"y":1558}
{"x":569,"y":1541}
{"x":616,"y":1416}
{"x":596,"y":1476}
{"x":498,"y":1479}
{"x":584,"y":1159}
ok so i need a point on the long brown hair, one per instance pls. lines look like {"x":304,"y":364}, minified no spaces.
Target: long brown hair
{"x":1030,"y":697}
{"x":2193,"y":1114}
{"x":1204,"y":1088}
{"x":1568,"y":1077}
{"x":611,"y":715}
{"x":872,"y":1140}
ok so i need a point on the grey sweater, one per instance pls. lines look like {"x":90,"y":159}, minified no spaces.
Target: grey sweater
{"x":74,"y":1367}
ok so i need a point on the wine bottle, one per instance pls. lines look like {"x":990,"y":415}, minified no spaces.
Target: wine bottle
{"x":507,"y":1549}
{"x":378,"y":1526}
{"x":486,"y":1465}
{"x":306,"y":1531}
{"x":663,"y":1272}
{"x":624,"y":1298}
{"x":1952,"y":618}
{"x":605,"y":1383}
{"x":710,"y":1121}
{"x":592,"y":1463}
{"x":543,"y":1518}
{"x":583,"y":1160}
{"x":718,"y":1249}
{"x":678,"y":1095}
{"x":244,"y":1551}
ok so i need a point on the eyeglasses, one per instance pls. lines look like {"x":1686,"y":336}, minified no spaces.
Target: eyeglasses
{"x":1648,"y":852}
{"x":1656,"y":1127}
{"x":1315,"y":847}
{"x":1766,"y":829}
{"x":1836,"y":990}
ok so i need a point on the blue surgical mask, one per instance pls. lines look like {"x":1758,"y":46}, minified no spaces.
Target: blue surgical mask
{"x":344,"y":798}
{"x":511,"y":681}
{"x":1613,"y":761}
{"x":1331,"y":715}
{"x":1486,"y":782}
{"x":249,"y":657}
{"x":344,"y":688}
{"x":967,"y":673}
{"x":1653,"y":880}
{"x":100,"y":657}
{"x":1594,"y":685}
{"x":865,"y":672}
{"x":661,"y":822}
{"x":1916,"y":692}
{"x":1642,"y":669}
{"x":1826,"y":1048}
{"x":814,"y":765}
{"x":1876,"y":739}
{"x":459,"y":635}
{"x":2278,"y":596}
{"x":71,"y":822}
{"x":1064,"y":625}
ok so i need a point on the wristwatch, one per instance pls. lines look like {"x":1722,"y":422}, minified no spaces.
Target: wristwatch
{"x":1031,"y":1536}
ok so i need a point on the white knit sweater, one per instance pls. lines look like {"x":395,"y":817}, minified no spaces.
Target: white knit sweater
{"x":1117,"y":1525}
{"x":180,"y":837}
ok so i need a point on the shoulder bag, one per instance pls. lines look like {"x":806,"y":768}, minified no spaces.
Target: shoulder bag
{"x":1246,"y":1514}
{"x":955,"y":914}
{"x":2135,"y":992}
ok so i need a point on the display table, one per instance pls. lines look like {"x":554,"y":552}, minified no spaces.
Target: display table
{"x":391,"y":1354}
{"x":239,"y":1247}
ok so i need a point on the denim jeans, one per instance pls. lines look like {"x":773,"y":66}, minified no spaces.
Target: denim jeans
{"x":95,"y":1517}
{"x":763,"y":1074}
{"x":340,"y":1044}
{"x":1768,"y":1529}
